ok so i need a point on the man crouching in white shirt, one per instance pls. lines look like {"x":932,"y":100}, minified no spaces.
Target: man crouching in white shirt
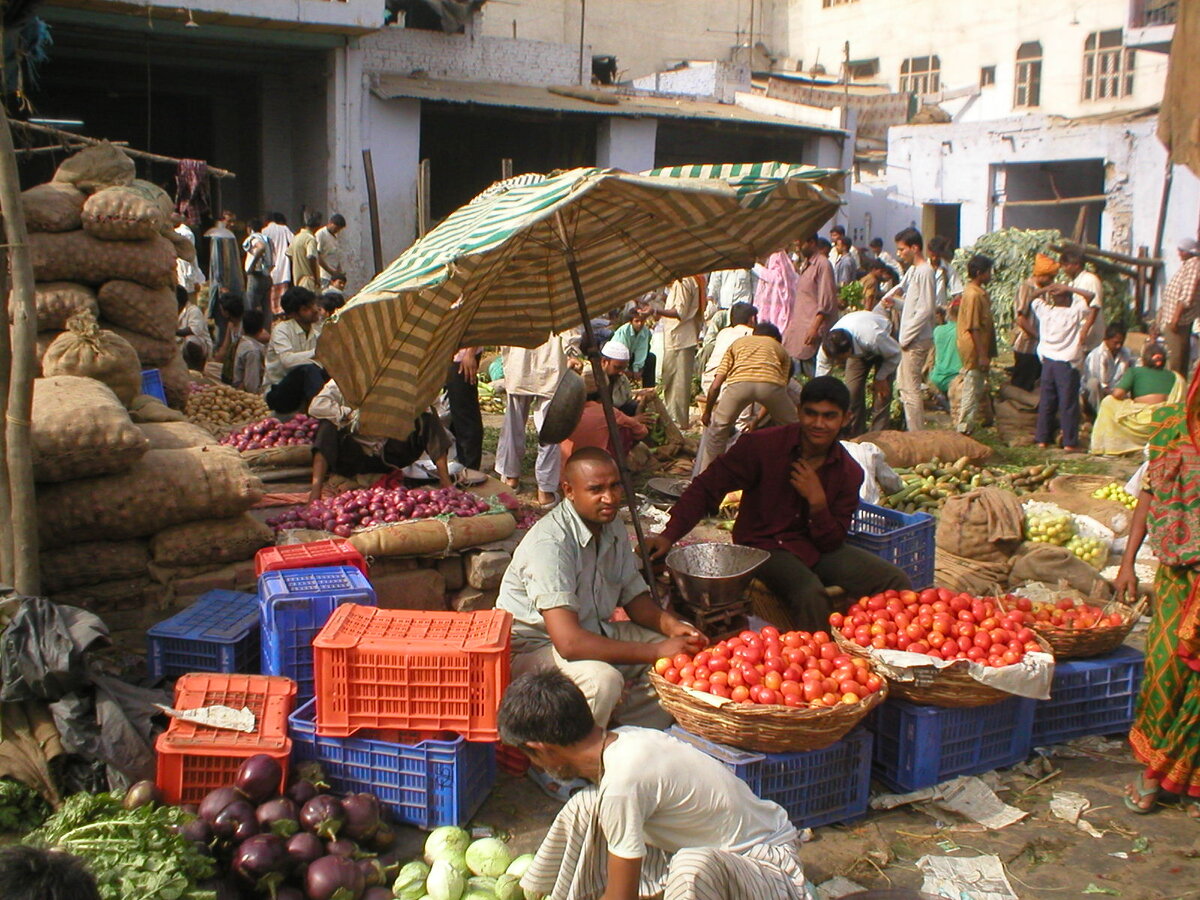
{"x":660,"y":817}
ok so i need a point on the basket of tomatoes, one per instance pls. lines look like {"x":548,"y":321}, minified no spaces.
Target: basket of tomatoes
{"x":1077,"y":629}
{"x":770,"y":691}
{"x":962,"y":635}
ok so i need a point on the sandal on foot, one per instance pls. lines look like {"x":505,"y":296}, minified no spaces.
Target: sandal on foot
{"x":562,"y":791}
{"x":1139,"y":787}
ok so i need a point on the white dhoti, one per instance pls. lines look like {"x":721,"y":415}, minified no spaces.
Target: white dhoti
{"x":572,"y":864}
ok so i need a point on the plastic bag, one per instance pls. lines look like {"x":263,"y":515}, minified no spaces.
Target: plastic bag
{"x":42,"y":650}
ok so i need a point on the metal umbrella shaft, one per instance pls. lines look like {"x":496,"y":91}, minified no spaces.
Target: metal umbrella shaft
{"x":592,"y":349}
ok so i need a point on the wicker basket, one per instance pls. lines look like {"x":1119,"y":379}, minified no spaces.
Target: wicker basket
{"x":767,"y":729}
{"x":766,"y":606}
{"x":1082,"y":643}
{"x":951,"y":686}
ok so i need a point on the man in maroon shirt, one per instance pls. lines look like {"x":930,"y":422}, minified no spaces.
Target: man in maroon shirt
{"x":799,"y":493}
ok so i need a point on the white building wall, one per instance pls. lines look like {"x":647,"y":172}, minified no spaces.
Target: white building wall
{"x":719,"y":80}
{"x":626,"y":144}
{"x":968,"y":36}
{"x":347,"y":13}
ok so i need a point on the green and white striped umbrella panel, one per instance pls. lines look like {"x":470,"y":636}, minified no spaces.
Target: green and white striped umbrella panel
{"x":495,"y":273}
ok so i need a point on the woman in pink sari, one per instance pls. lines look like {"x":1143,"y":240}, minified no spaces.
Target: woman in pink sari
{"x":776,"y":291}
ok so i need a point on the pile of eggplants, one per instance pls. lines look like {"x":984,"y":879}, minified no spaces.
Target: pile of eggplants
{"x":303,"y":844}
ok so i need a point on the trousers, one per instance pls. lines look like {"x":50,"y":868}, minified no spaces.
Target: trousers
{"x":678,"y":368}
{"x":909,"y":379}
{"x":623,"y":690}
{"x":1179,"y":349}
{"x":510,"y":449}
{"x":1058,"y":403}
{"x":298,"y":386}
{"x":802,"y":589}
{"x":733,"y":401}
{"x":974,"y":382}
{"x":466,"y":421}
{"x":858,"y":372}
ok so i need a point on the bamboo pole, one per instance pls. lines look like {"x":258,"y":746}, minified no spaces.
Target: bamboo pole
{"x":19,"y":456}
{"x":6,"y":533}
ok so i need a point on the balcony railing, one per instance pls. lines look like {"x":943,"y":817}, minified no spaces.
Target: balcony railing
{"x":1148,"y":13}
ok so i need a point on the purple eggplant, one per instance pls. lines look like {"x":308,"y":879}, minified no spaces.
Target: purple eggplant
{"x":362,"y":816}
{"x":279,"y":816}
{"x":236,"y":822}
{"x":305,"y":848}
{"x":301,"y":792}
{"x":144,"y":793}
{"x":197,"y":831}
{"x":258,"y":778}
{"x":215,"y":801}
{"x":342,"y":847}
{"x":261,"y":861}
{"x":333,"y":877}
{"x":374,"y":871}
{"x":383,"y":838}
{"x":323,"y":815}
{"x":191,"y":809}
{"x":377,"y":893}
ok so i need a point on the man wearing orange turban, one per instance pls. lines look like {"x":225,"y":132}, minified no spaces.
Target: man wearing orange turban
{"x":1027,"y":368}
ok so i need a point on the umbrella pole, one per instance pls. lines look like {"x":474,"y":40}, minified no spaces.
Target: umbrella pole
{"x":592,"y":349}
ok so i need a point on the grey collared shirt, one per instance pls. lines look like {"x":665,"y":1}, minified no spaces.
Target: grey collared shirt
{"x":561,"y":563}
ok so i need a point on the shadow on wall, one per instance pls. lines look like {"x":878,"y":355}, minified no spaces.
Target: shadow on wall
{"x":876,"y":210}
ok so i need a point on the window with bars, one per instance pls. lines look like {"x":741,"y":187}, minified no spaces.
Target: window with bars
{"x":1028,"y":87}
{"x":920,"y":75}
{"x":987,"y":76}
{"x":1107,"y":66}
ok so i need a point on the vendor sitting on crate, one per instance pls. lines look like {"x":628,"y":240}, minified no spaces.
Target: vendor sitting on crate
{"x":657,"y":817}
{"x":799,"y":493}
{"x":567,"y":578}
{"x":340,"y":447}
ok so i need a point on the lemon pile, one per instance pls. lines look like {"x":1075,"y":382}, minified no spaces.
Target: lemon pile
{"x":1091,"y":550}
{"x":1117,"y":493}
{"x":1050,"y":528}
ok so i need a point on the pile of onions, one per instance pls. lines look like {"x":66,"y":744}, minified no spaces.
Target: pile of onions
{"x":271,"y":432}
{"x":379,"y":506}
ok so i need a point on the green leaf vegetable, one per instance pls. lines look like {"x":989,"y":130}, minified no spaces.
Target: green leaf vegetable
{"x":130,"y":852}
{"x":851,"y":295}
{"x":21,"y":807}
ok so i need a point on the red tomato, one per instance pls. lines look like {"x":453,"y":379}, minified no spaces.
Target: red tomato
{"x":812,"y":690}
{"x":680,"y":660}
{"x":661,"y":665}
{"x":751,"y":676}
{"x":793,"y":701}
{"x":835,"y":621}
{"x":717,"y":678}
{"x":722,"y":690}
{"x":792,"y":689}
{"x":740,"y":694}
{"x":849,"y":686}
{"x":700,"y":684}
{"x":830,"y":699}
{"x":772,"y":680}
{"x":873,"y":683}
{"x":702,"y":658}
{"x":734,"y":678}
{"x":769,"y":631}
{"x":672,"y":675}
{"x":929,"y":595}
{"x":687,"y":672}
{"x":718,"y":664}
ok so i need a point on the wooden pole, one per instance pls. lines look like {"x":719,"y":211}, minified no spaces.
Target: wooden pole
{"x":6,"y":533}
{"x":373,"y":209}
{"x":1163,"y":203}
{"x":26,"y":575}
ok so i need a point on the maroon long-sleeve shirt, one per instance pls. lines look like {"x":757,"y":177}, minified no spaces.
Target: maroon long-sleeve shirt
{"x":772,"y":514}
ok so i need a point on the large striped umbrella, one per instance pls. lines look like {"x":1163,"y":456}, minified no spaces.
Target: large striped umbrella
{"x":498,"y":271}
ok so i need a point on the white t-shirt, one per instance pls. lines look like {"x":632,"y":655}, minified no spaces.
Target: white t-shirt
{"x":1086,"y":281}
{"x":722,"y":342}
{"x":329,"y":248}
{"x":660,"y":792}
{"x":1059,"y":328}
{"x":280,"y":237}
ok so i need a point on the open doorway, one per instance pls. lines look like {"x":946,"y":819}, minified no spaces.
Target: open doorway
{"x":1067,"y":195}
{"x":943,"y":219}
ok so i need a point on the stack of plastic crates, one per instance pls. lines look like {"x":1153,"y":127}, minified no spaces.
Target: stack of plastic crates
{"x":217,"y":633}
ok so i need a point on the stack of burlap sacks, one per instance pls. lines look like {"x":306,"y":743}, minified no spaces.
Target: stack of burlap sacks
{"x":103,"y":244}
{"x":1016,"y":416}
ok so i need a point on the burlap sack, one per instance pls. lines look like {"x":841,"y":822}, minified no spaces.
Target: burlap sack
{"x":1022,"y":399}
{"x":148,"y":410}
{"x":80,"y":430}
{"x":44,"y":340}
{"x":152,"y":312}
{"x":77,"y":256}
{"x":433,"y":537}
{"x":57,"y":301}
{"x":52,"y":207}
{"x":288,"y":457}
{"x":95,"y":167}
{"x":125,"y":213}
{"x":127,"y":606}
{"x":89,"y":352}
{"x":176,"y":381}
{"x":154,"y":353}
{"x":210,"y":542}
{"x":911,"y":448}
{"x":163,"y":488}
{"x":1052,"y":565}
{"x":175,"y":435}
{"x":184,"y":248}
{"x":1015,"y":425}
{"x":968,"y":575}
{"x":984,"y":525}
{"x":92,"y":563}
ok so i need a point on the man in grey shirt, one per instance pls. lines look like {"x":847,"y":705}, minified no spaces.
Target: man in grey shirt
{"x":567,"y":577}
{"x":916,"y":325}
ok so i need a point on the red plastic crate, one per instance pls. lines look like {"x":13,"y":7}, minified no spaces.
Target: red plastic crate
{"x":313,"y":555}
{"x":412,"y":670}
{"x":193,"y":759}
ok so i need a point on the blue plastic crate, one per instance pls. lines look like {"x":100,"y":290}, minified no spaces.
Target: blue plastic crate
{"x":903,"y":539}
{"x":217,"y":633}
{"x":294,"y":605}
{"x":1090,"y":696}
{"x":426,"y":783}
{"x":817,"y":787}
{"x":918,"y":746}
{"x":152,"y":384}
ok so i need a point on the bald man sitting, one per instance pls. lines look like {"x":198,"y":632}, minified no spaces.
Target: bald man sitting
{"x":567,"y":577}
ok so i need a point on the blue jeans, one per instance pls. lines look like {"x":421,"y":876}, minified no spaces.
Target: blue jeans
{"x":1058,"y":406}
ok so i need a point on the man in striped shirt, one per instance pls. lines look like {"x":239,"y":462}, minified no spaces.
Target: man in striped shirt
{"x":659,"y":818}
{"x":1179,"y":307}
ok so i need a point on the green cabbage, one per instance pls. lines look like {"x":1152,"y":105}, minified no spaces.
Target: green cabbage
{"x":508,"y":887}
{"x":444,"y":840}
{"x":410,"y":881}
{"x":488,"y":856}
{"x":520,"y":865}
{"x":481,"y":883}
{"x":445,"y":882}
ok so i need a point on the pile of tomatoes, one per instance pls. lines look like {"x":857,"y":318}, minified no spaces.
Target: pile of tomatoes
{"x":940,"y":624}
{"x":795,"y":668}
{"x":1066,"y":613}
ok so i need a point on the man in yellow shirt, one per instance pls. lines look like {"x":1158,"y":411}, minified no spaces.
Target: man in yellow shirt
{"x":305,"y":256}
{"x":755,"y":369}
{"x":976,"y":340}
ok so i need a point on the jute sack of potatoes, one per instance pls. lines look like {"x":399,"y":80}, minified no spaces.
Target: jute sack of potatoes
{"x":95,"y":562}
{"x":176,"y":382}
{"x":147,"y":410}
{"x":80,"y":429}
{"x":210,"y":542}
{"x":77,"y":256}
{"x":175,"y":435}
{"x":44,"y":340}
{"x":53,"y":207}
{"x":125,"y":213}
{"x":163,"y":488}
{"x":184,"y":248}
{"x":86,"y":350}
{"x":95,"y":167}
{"x":57,"y":301}
{"x":154,"y":353}
{"x":149,"y":311}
